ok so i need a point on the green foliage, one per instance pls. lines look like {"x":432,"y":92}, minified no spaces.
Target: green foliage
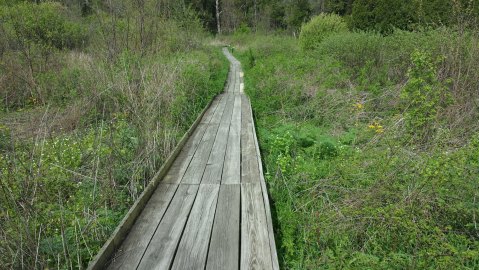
{"x":382,"y":15}
{"x":251,"y":58}
{"x":347,"y":196}
{"x":243,"y":29}
{"x":45,"y":24}
{"x":355,"y":50}
{"x":296,"y":12}
{"x":423,"y":95}
{"x":319,"y":28}
{"x":85,"y":126}
{"x":386,"y":15}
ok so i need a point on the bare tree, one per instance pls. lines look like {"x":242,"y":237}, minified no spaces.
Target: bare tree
{"x":218,"y":23}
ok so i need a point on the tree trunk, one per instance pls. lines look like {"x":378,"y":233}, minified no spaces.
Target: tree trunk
{"x":218,"y":24}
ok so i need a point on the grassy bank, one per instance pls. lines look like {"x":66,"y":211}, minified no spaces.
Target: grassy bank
{"x":90,"y":109}
{"x":370,"y":145}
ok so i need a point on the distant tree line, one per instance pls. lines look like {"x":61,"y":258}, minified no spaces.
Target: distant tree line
{"x":227,"y":16}
{"x":377,"y":15}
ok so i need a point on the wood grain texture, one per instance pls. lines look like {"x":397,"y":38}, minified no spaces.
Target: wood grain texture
{"x":232,"y":162}
{"x":214,"y":166}
{"x":212,"y":209}
{"x":232,"y":79}
{"x":228,"y":109}
{"x":161,"y":250}
{"x":216,"y":118}
{"x":181,"y":163}
{"x":197,"y":166}
{"x":249,"y":159}
{"x":194,"y":243}
{"x":255,"y":248}
{"x":225,"y":237}
{"x":269,"y":221}
{"x":119,"y":234}
{"x":129,"y":254}
{"x":211,"y":110}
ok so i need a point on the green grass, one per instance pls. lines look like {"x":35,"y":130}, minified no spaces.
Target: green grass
{"x":84,"y":128}
{"x":352,"y":187}
{"x":81,"y":183}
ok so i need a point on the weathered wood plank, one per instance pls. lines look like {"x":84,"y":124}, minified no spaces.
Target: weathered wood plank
{"x":178,"y":169}
{"x":194,"y":243}
{"x":225,"y":238}
{"x":216,"y":118}
{"x":269,"y":221}
{"x":211,"y":110}
{"x":232,"y":162}
{"x":129,"y":254}
{"x":119,"y":234}
{"x":204,"y":225}
{"x":255,"y":248}
{"x":194,"y":172}
{"x":161,"y":250}
{"x":214,"y":166}
{"x":228,"y":109}
{"x":249,"y":160}
{"x":232,"y":78}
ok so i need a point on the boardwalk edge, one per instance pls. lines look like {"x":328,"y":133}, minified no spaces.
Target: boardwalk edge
{"x":272,"y":242}
{"x":121,"y":231}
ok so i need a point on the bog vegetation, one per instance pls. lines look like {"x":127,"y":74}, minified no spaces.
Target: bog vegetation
{"x":367,"y":118}
{"x":90,"y":106}
{"x":371,"y":144}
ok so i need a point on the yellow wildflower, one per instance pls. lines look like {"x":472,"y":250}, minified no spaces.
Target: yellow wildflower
{"x":376,"y":127}
{"x":358,"y":106}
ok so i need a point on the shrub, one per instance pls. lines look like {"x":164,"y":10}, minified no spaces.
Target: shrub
{"x":352,"y":49}
{"x":46,"y":24}
{"x":320,"y":27}
{"x":423,"y":94}
{"x":382,"y":15}
{"x":386,"y":15}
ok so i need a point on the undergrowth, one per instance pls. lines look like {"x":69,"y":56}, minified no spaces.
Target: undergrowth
{"x":89,"y":113}
{"x":370,"y":146}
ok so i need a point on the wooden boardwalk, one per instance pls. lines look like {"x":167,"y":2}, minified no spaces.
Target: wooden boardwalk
{"x":211,"y":209}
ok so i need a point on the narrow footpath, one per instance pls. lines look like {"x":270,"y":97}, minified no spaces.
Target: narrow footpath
{"x":211,"y":210}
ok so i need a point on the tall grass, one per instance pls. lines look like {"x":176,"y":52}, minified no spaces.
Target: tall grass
{"x":82,"y":131}
{"x":353,"y":185}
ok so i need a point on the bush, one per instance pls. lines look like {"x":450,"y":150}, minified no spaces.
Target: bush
{"x":352,"y":49}
{"x":386,"y":15}
{"x":382,"y":15}
{"x":46,"y":24}
{"x":423,"y":95}
{"x":320,"y":27}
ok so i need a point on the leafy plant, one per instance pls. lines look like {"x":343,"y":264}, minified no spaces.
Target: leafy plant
{"x":46,"y":24}
{"x":424,"y":95}
{"x":319,"y":28}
